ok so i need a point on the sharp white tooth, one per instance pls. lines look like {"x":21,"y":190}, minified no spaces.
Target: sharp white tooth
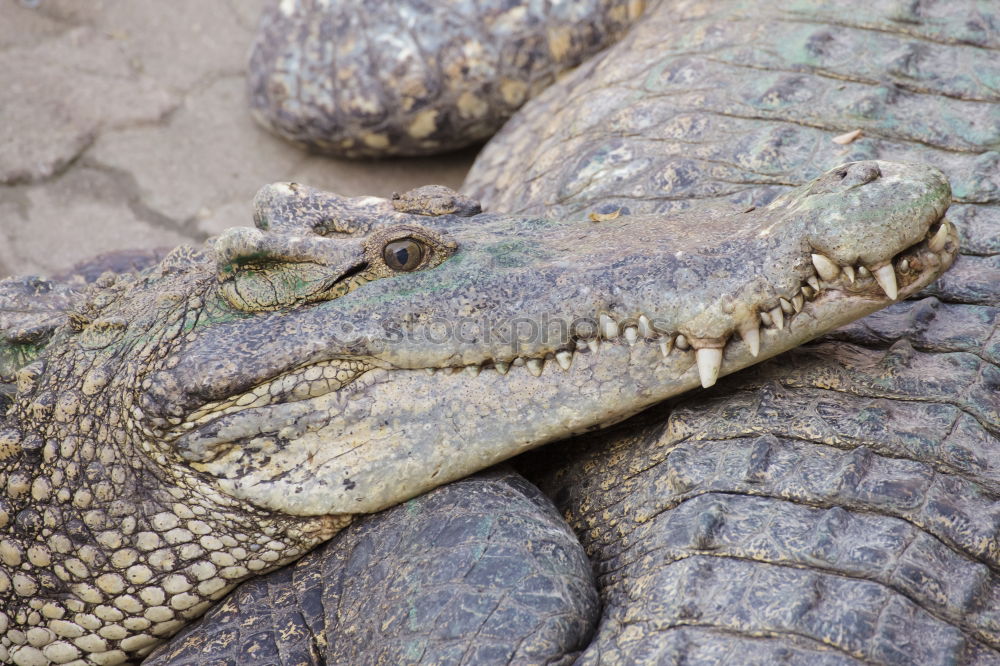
{"x":826,"y":268}
{"x":430,"y":371}
{"x":501,"y":367}
{"x":849,"y":272}
{"x":786,"y":307}
{"x":609,"y":327}
{"x":564,"y":359}
{"x":682,"y":343}
{"x":886,"y":277}
{"x":937,"y":243}
{"x":798,"y":301}
{"x":631,"y":334}
{"x":535,"y":366}
{"x":645,"y":328}
{"x":778,"y":317}
{"x":808,"y":291}
{"x":904,"y":266}
{"x":595,"y":345}
{"x":813,"y":282}
{"x":519,"y":361}
{"x":751,"y":336}
{"x":864,"y":272}
{"x":766,"y":319}
{"x":709,"y":361}
{"x":665,"y":346}
{"x":473,"y":370}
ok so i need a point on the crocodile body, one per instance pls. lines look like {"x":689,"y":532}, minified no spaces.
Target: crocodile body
{"x":838,"y":505}
{"x":175,"y":431}
{"x":387,"y":78}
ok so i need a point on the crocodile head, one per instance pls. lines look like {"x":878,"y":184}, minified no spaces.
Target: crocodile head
{"x":347,"y":354}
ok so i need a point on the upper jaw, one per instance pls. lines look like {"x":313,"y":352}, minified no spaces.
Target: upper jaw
{"x":830,"y":296}
{"x":656,"y":277}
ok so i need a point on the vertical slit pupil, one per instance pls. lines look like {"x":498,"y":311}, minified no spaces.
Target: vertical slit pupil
{"x":403,"y":255}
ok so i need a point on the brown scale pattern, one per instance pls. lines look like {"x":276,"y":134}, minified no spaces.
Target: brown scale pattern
{"x":412,"y":78}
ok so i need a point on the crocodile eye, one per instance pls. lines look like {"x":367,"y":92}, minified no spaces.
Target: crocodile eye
{"x":403,"y":255}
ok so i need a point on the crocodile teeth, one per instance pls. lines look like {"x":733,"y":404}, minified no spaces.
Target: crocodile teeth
{"x":709,"y":361}
{"x":631,"y":334}
{"x":849,"y":272}
{"x":665,"y":346}
{"x":937,"y":242}
{"x":645,"y":328}
{"x":813,"y":282}
{"x":863,"y":272}
{"x":826,"y":268}
{"x":501,"y":367}
{"x":682,"y":343}
{"x":886,"y":277}
{"x":609,"y":327}
{"x":904,"y":266}
{"x":473,"y":370}
{"x":564,"y":359}
{"x":430,"y":371}
{"x":808,"y":291}
{"x":595,"y":345}
{"x":751,"y":336}
{"x":519,"y":361}
{"x":786,"y":306}
{"x":778,"y":317}
{"x":798,"y":302}
{"x":535,"y":366}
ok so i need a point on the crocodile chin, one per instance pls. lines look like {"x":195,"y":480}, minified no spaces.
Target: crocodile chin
{"x":361,"y":427}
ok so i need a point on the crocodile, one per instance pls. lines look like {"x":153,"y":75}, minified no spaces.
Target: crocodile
{"x":177,"y":430}
{"x":385,"y":78}
{"x":835,"y":505}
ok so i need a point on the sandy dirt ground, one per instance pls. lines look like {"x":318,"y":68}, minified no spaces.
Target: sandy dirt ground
{"x":123,"y":124}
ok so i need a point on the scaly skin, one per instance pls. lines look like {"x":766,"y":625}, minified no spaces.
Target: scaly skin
{"x":404,"y":77}
{"x":479,"y":571}
{"x":227,"y":410}
{"x":837,"y":505}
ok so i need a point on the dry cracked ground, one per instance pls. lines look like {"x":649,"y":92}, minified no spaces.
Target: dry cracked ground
{"x":123,"y":124}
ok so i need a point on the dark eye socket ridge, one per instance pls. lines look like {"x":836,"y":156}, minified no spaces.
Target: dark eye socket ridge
{"x":403,"y":254}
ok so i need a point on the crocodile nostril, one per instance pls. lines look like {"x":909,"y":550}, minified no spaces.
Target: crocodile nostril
{"x":860,"y":173}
